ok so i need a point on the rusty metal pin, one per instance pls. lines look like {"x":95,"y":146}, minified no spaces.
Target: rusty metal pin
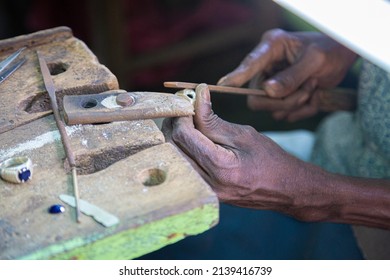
{"x":125,"y":99}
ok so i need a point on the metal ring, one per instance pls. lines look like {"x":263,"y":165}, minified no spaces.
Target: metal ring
{"x":16,"y":169}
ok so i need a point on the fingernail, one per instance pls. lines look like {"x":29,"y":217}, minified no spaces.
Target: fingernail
{"x":273,"y":88}
{"x":202,"y":89}
{"x":221,"y":81}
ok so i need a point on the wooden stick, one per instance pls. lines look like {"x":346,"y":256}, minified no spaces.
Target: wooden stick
{"x":234,"y":90}
{"x":337,"y":99}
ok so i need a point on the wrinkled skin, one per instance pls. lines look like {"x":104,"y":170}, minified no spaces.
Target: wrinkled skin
{"x":247,"y":169}
{"x":290,"y":67}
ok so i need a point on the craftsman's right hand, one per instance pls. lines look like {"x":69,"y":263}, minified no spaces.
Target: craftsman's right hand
{"x":290,"y":66}
{"x":248,"y":169}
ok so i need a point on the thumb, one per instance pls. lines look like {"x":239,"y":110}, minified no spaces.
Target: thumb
{"x":208,"y":123}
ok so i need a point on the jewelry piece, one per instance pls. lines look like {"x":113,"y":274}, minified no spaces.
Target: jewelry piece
{"x":187,"y":94}
{"x":16,"y":169}
{"x":56,"y":209}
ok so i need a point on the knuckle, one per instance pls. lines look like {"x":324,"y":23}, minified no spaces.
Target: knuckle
{"x":317,"y":54}
{"x":275,"y":35}
{"x":178,"y":134}
{"x":287,"y":83}
{"x":250,"y":131}
{"x":249,"y":58}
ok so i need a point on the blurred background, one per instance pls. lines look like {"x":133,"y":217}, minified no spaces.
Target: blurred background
{"x":145,"y":43}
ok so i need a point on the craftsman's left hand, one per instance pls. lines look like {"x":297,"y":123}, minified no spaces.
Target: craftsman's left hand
{"x":244,"y":167}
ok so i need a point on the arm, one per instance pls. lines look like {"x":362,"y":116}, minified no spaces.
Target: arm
{"x":247,"y":169}
{"x":292,"y":65}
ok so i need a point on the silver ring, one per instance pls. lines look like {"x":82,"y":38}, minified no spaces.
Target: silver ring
{"x":16,"y":169}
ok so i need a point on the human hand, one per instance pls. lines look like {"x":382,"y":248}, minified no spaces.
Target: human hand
{"x":244,"y":167}
{"x":290,"y":67}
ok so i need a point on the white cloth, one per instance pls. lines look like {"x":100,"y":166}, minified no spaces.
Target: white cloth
{"x":299,"y":143}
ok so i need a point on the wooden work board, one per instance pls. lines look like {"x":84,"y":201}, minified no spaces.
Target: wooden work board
{"x":125,"y":168}
{"x":74,"y":68}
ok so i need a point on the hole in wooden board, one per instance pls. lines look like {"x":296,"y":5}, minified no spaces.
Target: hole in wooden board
{"x":90,"y":162}
{"x":41,"y":102}
{"x":36,"y":104}
{"x":153,"y":177}
{"x":57,"y":68}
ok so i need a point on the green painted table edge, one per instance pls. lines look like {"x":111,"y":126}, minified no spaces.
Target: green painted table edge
{"x":135,"y":242}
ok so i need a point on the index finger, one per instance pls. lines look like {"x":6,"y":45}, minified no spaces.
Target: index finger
{"x":196,"y":145}
{"x":269,"y":51}
{"x":256,"y":61}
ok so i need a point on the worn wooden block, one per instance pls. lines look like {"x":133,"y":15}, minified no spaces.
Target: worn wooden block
{"x":124,"y":167}
{"x":75,"y":70}
{"x":128,"y":171}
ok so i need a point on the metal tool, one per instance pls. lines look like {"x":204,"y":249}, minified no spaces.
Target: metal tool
{"x":123,"y":106}
{"x":61,"y":127}
{"x":10,"y":65}
{"x":339,"y":99}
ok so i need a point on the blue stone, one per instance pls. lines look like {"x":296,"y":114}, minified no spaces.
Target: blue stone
{"x":56,"y":209}
{"x":24,"y":174}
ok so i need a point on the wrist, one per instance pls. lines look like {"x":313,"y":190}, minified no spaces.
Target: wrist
{"x":317,"y":196}
{"x":366,"y":202}
{"x":337,"y":198}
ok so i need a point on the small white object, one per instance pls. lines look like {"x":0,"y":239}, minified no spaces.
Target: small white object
{"x":100,"y":215}
{"x":187,"y":94}
{"x":110,"y":102}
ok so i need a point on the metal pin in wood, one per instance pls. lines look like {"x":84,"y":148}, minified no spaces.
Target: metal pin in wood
{"x":49,"y":85}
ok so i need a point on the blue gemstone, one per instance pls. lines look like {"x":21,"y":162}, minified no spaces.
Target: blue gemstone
{"x":56,"y":209}
{"x":24,"y":174}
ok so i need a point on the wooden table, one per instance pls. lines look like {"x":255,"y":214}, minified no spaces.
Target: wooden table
{"x":126,"y":168}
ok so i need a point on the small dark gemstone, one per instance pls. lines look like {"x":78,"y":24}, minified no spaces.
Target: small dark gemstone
{"x":24,"y":175}
{"x":56,"y":209}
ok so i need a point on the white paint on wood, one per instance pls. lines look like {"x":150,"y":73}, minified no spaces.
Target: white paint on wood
{"x":37,"y":142}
